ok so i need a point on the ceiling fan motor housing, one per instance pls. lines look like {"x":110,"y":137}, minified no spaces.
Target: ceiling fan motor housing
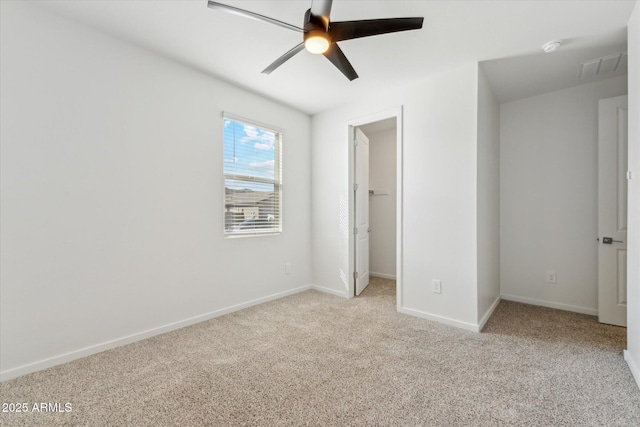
{"x":312,"y":22}
{"x":316,"y":37}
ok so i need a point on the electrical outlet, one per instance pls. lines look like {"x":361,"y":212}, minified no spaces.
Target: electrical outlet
{"x":287,"y":268}
{"x":436,"y":286}
{"x":552,"y":277}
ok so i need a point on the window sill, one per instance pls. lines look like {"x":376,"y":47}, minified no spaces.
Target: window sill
{"x":244,"y":235}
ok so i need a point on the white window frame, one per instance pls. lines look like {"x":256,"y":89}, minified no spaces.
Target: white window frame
{"x":277,"y":181}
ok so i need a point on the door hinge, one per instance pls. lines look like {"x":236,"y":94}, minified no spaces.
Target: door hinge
{"x":355,"y":187}
{"x":355,"y":274}
{"x":355,"y":142}
{"x":628,"y":175}
{"x":355,"y":230}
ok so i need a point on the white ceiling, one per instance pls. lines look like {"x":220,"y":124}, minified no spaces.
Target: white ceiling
{"x":379,"y":126}
{"x":507,"y":34}
{"x":538,"y":72}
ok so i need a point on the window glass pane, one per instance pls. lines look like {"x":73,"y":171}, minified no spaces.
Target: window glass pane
{"x":248,"y":150}
{"x":250,"y":206}
{"x":252,"y":179}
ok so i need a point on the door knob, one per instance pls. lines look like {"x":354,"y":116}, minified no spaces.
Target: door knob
{"x":609,"y":240}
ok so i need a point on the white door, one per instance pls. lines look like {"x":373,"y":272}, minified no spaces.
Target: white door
{"x":361,"y":189}
{"x":612,"y":211}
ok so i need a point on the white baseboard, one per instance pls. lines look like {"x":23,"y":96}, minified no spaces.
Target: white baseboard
{"x":383,"y":275}
{"x":551,"y":304}
{"x":440,"y":319}
{"x":98,"y":348}
{"x":488,"y":314}
{"x":335,"y":292}
{"x":633,"y":366}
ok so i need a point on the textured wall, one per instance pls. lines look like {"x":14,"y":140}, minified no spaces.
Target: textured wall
{"x":548,"y":195}
{"x":112,"y":194}
{"x":439,"y":194}
{"x":382,"y":208}
{"x":633,"y":273}
{"x":488,"y":198}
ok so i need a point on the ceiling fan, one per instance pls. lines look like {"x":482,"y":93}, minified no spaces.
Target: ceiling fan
{"x":320,"y":35}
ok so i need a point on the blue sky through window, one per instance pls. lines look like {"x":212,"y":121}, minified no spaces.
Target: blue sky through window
{"x":248,"y":151}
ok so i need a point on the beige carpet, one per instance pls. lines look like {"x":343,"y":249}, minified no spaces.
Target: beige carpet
{"x":316,"y":359}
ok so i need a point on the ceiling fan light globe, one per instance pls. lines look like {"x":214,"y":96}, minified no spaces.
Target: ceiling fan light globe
{"x":317,"y":44}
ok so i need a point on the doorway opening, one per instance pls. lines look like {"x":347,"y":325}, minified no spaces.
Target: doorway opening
{"x":375,"y":202}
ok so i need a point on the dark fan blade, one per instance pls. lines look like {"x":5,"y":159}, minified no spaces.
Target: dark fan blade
{"x":322,"y":10}
{"x":348,"y":30}
{"x":337,"y":57}
{"x":284,"y":58}
{"x":251,"y":15}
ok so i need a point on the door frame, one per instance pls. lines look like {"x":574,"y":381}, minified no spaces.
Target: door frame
{"x":361,"y":199}
{"x":396,"y":113}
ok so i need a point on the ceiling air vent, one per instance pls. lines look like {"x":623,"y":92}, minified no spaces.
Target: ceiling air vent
{"x":600,"y":66}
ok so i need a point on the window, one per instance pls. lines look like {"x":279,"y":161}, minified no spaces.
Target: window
{"x":252,"y":178}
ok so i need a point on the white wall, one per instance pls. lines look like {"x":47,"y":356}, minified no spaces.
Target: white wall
{"x":112,"y":193}
{"x":382,"y":208}
{"x":548,"y":195}
{"x":439,"y":200}
{"x":488,"y":199}
{"x":633,"y":274}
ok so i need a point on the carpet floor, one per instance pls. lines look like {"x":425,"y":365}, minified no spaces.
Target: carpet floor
{"x":316,"y":359}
